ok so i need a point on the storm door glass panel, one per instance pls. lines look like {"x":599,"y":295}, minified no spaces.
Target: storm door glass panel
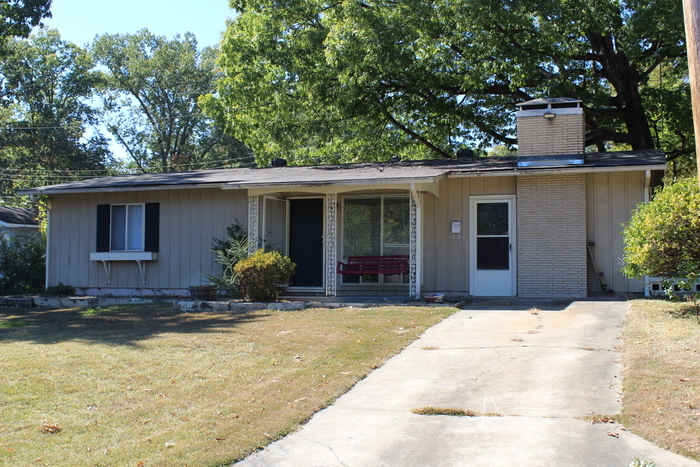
{"x":492,"y":236}
{"x":363,"y":227}
{"x":492,"y":253}
{"x":492,"y":219}
{"x":397,"y":226}
{"x":134,"y":232}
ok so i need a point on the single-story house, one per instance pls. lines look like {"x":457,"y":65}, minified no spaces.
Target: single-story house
{"x":15,"y":221}
{"x":544,"y":223}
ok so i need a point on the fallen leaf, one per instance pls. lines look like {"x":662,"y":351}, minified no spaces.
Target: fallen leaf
{"x":48,"y":428}
{"x":614,"y":435}
{"x":684,"y":379}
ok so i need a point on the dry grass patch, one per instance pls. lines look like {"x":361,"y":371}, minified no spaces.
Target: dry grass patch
{"x":594,"y":418}
{"x":145,"y":386}
{"x":452,"y":412}
{"x":661,"y":383}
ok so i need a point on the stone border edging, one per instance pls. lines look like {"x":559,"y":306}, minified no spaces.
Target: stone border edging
{"x":188,"y":305}
{"x":244,"y":307}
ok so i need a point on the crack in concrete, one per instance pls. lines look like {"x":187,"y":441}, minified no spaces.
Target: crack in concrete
{"x":335,"y":454}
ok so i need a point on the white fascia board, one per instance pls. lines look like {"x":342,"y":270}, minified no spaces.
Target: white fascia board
{"x":555,"y":110}
{"x":430,"y":187}
{"x":18,"y":226}
{"x":115,"y":189}
{"x":326,"y":185}
{"x":558,"y":171}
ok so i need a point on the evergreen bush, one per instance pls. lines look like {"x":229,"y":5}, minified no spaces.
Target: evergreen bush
{"x":259,"y":275}
{"x":22,"y":264}
{"x":663,"y":236}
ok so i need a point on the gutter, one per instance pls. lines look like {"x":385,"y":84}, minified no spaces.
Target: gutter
{"x":647,"y":197}
{"x":555,"y":171}
{"x":231,"y":186}
{"x":111,"y":189}
{"x":18,"y":226}
{"x":323,"y":184}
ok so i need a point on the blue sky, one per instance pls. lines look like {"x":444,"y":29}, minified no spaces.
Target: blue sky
{"x":79,"y":21}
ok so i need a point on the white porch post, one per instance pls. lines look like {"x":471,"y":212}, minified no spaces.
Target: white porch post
{"x":415,"y":248}
{"x":331,"y":244}
{"x":252,"y":224}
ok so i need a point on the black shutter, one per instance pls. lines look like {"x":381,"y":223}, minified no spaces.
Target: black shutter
{"x":103,"y":220}
{"x":152,"y":227}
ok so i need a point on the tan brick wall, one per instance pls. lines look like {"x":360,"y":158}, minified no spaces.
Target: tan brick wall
{"x":538,"y":136}
{"x":551,"y":236}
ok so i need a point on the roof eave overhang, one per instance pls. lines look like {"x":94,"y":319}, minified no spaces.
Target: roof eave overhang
{"x":328,"y":187}
{"x":528,"y":171}
{"x":111,"y":189}
{"x":18,"y":226}
{"x":429,"y":185}
{"x":338,"y":186}
{"x":333,"y":183}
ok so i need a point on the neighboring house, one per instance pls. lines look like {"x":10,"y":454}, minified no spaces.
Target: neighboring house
{"x":507,"y":226}
{"x":15,"y":221}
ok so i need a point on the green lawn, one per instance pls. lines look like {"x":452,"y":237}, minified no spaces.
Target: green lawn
{"x":144,"y":386}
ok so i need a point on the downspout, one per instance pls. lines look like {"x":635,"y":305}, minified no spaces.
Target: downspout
{"x":415,"y":196}
{"x":647,"y":197}
{"x":48,"y":229}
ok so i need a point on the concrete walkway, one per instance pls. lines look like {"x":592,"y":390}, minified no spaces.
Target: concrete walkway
{"x":540,"y":370}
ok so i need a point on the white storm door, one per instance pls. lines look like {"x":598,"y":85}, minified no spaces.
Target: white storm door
{"x":492,"y":246}
{"x":274,"y":224}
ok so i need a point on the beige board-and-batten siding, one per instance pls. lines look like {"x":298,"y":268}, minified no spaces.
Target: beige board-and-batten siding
{"x":189,"y":220}
{"x":611,"y":199}
{"x":446,"y":256}
{"x":557,"y":215}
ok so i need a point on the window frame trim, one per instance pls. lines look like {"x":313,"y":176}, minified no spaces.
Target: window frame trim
{"x":126,"y":228}
{"x":381,"y":196}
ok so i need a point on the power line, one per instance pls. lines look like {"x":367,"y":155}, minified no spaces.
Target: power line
{"x":58,"y":127}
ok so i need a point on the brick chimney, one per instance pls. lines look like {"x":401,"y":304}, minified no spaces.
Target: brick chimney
{"x":550,"y":127}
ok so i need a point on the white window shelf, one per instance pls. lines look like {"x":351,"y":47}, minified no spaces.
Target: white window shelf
{"x":139,"y":256}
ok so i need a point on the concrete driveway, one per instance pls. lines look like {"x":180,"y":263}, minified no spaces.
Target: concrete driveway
{"x":540,"y":370}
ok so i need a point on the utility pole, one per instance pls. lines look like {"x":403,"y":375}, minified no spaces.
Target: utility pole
{"x":691,"y":12}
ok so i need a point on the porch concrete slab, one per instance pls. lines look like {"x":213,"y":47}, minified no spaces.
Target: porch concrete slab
{"x":531,"y":374}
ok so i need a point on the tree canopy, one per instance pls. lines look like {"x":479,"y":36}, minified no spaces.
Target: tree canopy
{"x":47,"y":118}
{"x":151,"y":101}
{"x":19,"y":17}
{"x":358,"y":80}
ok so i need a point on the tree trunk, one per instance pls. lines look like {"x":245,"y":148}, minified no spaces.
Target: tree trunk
{"x":691,"y":11}
{"x":625,"y":81}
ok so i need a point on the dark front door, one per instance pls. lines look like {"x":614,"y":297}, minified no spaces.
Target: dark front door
{"x":306,"y":241}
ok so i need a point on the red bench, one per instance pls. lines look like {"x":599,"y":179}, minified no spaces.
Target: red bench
{"x":391,"y":264}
